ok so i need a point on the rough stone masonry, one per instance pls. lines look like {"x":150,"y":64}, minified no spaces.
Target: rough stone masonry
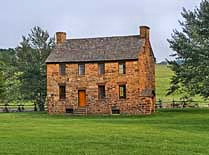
{"x":131,"y":91}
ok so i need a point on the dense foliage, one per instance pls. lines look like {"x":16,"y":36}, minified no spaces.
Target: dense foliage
{"x":23,"y":70}
{"x":9,"y":76}
{"x":1,"y":82}
{"x":191,"y":46}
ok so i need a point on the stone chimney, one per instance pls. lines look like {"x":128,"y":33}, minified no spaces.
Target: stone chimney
{"x":60,"y":37}
{"x":144,"y":32}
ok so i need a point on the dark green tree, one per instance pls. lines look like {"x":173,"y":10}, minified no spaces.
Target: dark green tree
{"x":2,"y":83}
{"x":31,"y":55}
{"x":191,"y":46}
{"x":9,"y":76}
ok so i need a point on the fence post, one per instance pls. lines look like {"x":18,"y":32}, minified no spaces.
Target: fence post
{"x":184,"y":104}
{"x":173,"y":103}
{"x":160,"y":103}
{"x":18,"y":108}
{"x":23,"y":107}
{"x":35,"y":107}
{"x":6,"y":108}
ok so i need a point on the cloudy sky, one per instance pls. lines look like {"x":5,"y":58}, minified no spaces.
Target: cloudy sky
{"x":93,"y":18}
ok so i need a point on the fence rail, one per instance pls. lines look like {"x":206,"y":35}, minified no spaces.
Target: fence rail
{"x":181,"y":104}
{"x":159,"y":104}
{"x":19,"y":108}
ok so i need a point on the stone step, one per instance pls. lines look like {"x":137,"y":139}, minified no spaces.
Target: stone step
{"x":80,"y":110}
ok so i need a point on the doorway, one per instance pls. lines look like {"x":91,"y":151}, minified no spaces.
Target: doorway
{"x":82,"y":98}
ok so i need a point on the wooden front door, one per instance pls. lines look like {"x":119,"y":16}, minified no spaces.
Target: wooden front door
{"x":82,"y":98}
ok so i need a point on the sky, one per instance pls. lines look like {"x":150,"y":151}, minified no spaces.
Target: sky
{"x":93,"y":18}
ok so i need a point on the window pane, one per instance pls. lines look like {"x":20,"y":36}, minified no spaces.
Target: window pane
{"x":62,"y":68}
{"x":122,"y":91}
{"x":101,"y":92}
{"x":122,"y":68}
{"x":81,"y":69}
{"x":62,"y":91}
{"x":101,"y":68}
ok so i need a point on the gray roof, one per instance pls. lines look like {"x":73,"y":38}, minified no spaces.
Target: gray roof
{"x":97,"y":49}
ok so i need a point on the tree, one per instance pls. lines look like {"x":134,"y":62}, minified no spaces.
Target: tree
{"x":8,"y":76}
{"x":2,"y":83}
{"x":191,"y":46}
{"x":31,"y":55}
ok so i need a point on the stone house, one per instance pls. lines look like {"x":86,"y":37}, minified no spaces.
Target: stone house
{"x":105,"y":75}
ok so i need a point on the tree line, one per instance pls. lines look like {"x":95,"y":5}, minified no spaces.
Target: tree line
{"x":23,"y":69}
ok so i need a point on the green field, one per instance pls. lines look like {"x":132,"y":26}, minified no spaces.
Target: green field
{"x":166,"y":132}
{"x":163,"y":76}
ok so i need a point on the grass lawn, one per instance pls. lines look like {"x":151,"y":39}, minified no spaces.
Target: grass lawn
{"x":166,"y":132}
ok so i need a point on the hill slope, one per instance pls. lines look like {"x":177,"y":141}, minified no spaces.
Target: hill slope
{"x":163,"y":76}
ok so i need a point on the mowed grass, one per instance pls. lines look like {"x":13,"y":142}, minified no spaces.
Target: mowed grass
{"x":163,"y":75}
{"x":170,"y":132}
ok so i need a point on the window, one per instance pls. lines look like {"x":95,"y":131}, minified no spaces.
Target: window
{"x":81,"y":69}
{"x":101,"y":92}
{"x":69,"y":110}
{"x":122,"y":68}
{"x":62,"y":91}
{"x":122,"y":91}
{"x":101,"y":68}
{"x":115,"y":111}
{"x":62,"y":68}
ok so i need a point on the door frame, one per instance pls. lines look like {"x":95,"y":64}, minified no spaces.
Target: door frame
{"x":81,"y":90}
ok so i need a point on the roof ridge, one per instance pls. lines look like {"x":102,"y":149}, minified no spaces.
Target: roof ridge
{"x":103,"y":37}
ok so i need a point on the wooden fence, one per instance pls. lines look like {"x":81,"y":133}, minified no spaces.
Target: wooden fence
{"x":159,"y":104}
{"x":19,"y":108}
{"x":181,"y":104}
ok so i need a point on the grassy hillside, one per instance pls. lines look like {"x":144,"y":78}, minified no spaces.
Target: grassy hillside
{"x":183,"y":132}
{"x":163,"y":76}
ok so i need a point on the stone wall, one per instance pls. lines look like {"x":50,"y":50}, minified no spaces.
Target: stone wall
{"x":147,"y":73}
{"x":137,"y":78}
